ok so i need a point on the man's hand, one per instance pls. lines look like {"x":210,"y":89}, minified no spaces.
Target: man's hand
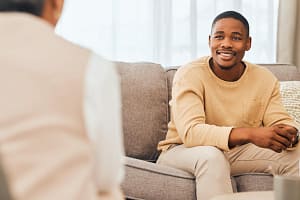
{"x":291,"y":130}
{"x":277,"y":138}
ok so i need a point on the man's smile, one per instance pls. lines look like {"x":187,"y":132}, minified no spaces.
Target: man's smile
{"x":226,"y":54}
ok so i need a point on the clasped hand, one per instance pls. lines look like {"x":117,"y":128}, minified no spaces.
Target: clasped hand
{"x":278,"y":137}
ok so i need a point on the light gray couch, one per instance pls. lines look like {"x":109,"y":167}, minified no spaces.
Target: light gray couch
{"x":146,"y":89}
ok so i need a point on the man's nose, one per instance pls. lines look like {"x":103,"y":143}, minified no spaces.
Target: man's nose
{"x":226,"y":43}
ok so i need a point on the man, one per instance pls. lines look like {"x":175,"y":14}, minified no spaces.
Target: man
{"x":60,"y":121}
{"x":227,"y":116}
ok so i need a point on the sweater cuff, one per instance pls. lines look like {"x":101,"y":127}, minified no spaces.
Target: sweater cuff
{"x":222,"y":143}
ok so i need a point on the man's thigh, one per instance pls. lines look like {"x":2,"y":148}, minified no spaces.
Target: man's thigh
{"x":187,"y":159}
{"x":250,"y":158}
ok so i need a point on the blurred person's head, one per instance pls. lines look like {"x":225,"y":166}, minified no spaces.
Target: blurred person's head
{"x":49,"y":10}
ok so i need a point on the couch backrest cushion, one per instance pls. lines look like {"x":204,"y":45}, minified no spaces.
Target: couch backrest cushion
{"x":144,"y":108}
{"x":284,"y":72}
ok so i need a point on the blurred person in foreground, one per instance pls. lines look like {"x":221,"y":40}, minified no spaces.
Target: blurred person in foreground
{"x":226,"y":115}
{"x":60,"y":121}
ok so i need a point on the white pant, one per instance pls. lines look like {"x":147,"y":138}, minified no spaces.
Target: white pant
{"x":213,"y":167}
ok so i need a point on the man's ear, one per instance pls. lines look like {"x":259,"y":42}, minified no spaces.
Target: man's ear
{"x":57,"y":7}
{"x":59,"y":4}
{"x":209,"y":37}
{"x":52,"y":11}
{"x":248,"y":45}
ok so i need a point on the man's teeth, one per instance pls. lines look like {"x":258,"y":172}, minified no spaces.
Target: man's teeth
{"x":226,"y":54}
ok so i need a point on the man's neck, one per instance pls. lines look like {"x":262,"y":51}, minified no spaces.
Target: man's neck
{"x":231,"y":74}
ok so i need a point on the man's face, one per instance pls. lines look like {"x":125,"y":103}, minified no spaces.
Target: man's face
{"x":228,"y":42}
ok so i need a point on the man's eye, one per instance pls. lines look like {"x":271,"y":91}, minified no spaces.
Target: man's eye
{"x":236,"y":38}
{"x":218,"y":37}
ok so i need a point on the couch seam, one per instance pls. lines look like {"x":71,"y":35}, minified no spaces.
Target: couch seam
{"x":149,"y":170}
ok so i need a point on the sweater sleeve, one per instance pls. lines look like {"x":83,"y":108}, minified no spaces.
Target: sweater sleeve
{"x":188,"y":112}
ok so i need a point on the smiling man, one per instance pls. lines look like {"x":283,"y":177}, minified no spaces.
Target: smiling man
{"x":227,"y":116}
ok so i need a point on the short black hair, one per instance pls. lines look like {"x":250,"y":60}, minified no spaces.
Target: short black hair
{"x":234,"y":15}
{"x":34,"y":7}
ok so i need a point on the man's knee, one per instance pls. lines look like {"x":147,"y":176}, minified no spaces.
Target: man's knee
{"x":213,"y":158}
{"x":291,"y":162}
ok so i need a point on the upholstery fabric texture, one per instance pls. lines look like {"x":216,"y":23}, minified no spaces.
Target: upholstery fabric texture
{"x":144,"y":108}
{"x":146,"y":179}
{"x":254,"y":182}
{"x":290,"y":94}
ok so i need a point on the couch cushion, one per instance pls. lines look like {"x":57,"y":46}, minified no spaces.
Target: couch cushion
{"x":254,"y":182}
{"x":284,"y":72}
{"x":146,"y":180}
{"x":290,"y":95}
{"x":144,"y":107}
